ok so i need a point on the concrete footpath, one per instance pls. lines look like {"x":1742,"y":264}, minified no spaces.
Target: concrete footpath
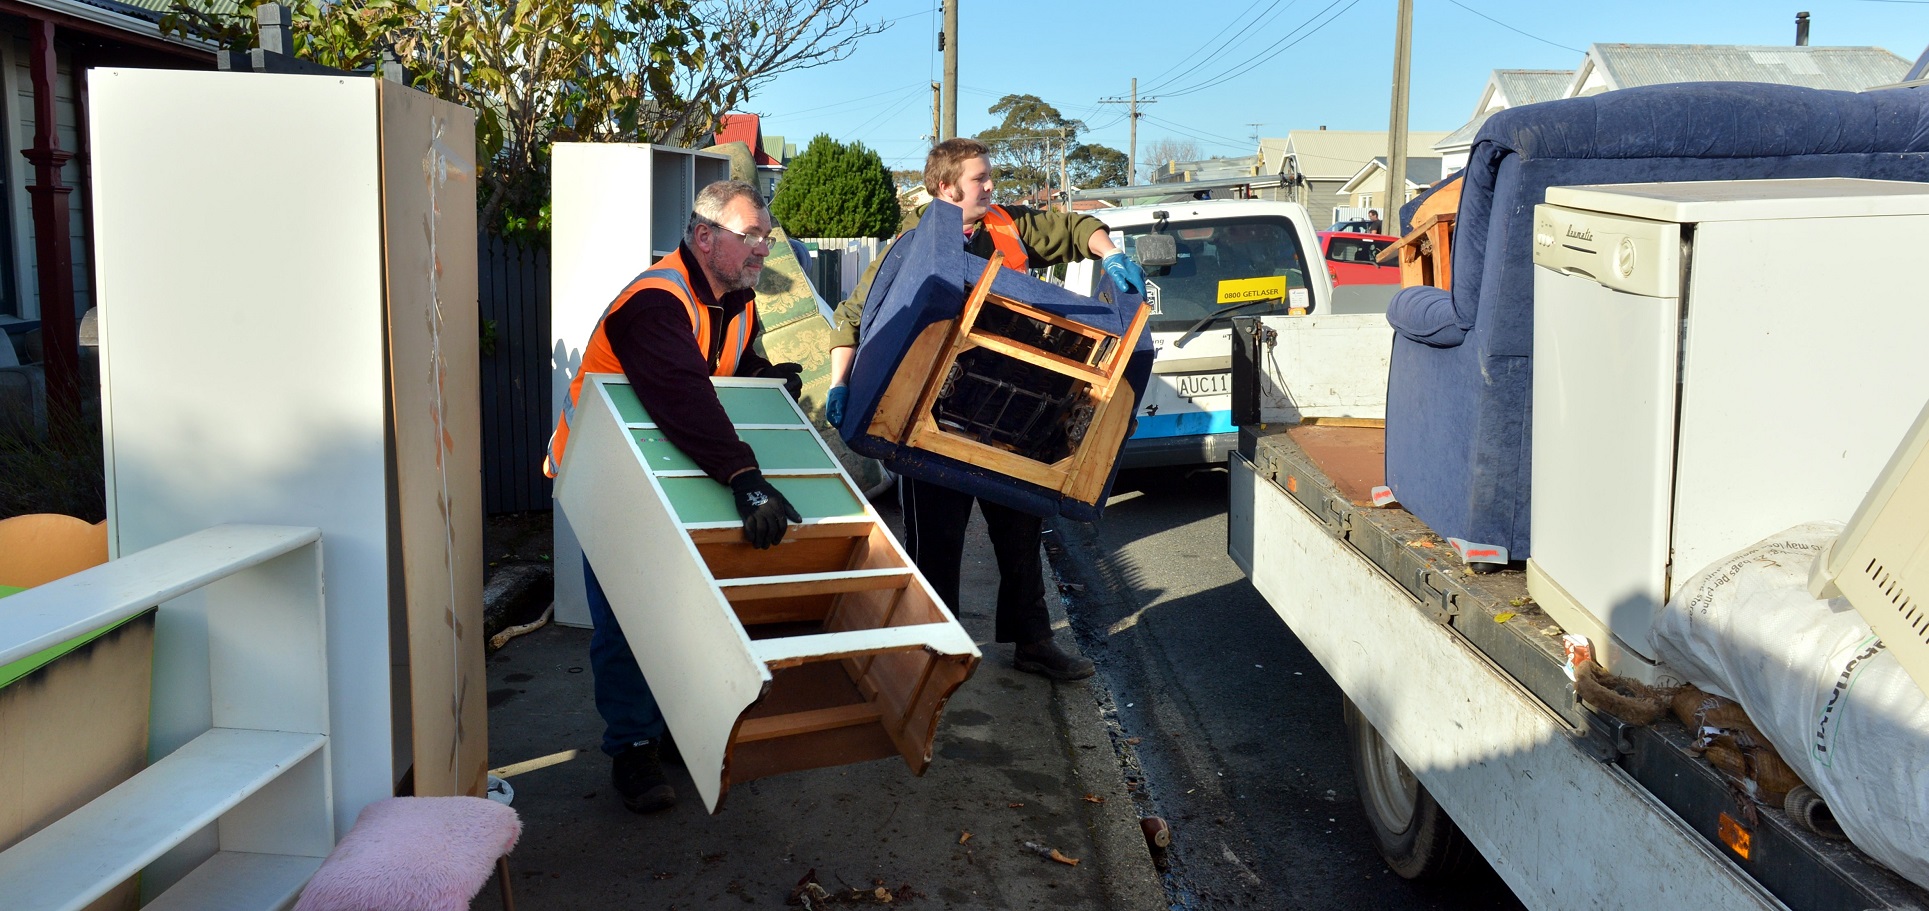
{"x":1018,"y":758}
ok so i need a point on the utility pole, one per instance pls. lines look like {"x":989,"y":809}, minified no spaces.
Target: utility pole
{"x":937,"y":108}
{"x":950,"y":37}
{"x":1064,"y":180}
{"x":1396,"y":137}
{"x":1131,"y":157}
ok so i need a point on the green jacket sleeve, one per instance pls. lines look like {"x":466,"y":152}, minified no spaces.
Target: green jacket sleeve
{"x":1053,"y":237}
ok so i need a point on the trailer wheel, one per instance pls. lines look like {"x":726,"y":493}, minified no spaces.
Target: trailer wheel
{"x":1415,"y":837}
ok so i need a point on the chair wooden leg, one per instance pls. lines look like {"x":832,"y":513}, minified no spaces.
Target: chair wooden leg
{"x":502,"y":879}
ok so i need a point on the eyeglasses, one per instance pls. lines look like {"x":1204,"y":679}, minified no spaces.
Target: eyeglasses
{"x":753,"y":241}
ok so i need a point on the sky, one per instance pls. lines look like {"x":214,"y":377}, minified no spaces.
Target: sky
{"x":1225,"y":71}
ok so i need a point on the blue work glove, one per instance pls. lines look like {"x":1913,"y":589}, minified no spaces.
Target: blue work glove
{"x":834,"y":404}
{"x":1125,"y":273}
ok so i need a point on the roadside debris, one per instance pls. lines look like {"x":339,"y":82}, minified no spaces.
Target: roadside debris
{"x":964,"y":837}
{"x":811,"y":894}
{"x":1050,"y":853}
{"x":1158,"y":835}
{"x":1092,"y":798}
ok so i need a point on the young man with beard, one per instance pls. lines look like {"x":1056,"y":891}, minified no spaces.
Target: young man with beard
{"x":959,"y":172}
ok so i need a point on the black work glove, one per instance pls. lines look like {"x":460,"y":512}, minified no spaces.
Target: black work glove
{"x":763,"y":509}
{"x":787,"y":371}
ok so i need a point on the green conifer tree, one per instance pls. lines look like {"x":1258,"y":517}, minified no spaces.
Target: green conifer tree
{"x":836,"y":189}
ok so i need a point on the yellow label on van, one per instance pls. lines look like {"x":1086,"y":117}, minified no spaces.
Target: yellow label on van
{"x":1246,"y":290}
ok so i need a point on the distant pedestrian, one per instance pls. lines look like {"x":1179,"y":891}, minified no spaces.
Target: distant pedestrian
{"x":1373,"y":221}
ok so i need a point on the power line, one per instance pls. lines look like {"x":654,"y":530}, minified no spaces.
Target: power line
{"x":1544,"y":40}
{"x":1154,"y":84}
{"x":1248,"y":34}
{"x":1267,"y":54}
{"x":839,"y":104}
{"x":885,"y":115}
{"x":1198,"y":134}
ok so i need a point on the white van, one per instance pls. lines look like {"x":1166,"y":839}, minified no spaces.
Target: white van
{"x":1235,"y":257}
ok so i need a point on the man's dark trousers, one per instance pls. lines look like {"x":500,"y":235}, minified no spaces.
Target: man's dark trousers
{"x":935,"y":518}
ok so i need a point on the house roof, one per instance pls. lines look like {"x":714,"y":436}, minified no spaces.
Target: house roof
{"x":1421,"y":172}
{"x":1463,"y":138}
{"x":1335,"y":154}
{"x":135,"y":21}
{"x":1620,"y":66}
{"x":747,"y":129}
{"x":1513,"y":88}
{"x":153,"y":10}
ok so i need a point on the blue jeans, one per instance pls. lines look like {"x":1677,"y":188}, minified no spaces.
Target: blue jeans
{"x":622,"y":695}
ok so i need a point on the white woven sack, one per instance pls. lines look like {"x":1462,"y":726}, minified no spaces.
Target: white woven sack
{"x":1837,"y":706}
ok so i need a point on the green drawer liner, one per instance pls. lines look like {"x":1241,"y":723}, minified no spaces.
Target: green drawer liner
{"x":777,"y":450}
{"x":704,"y":500}
{"x":744,"y":405}
{"x":627,"y":407}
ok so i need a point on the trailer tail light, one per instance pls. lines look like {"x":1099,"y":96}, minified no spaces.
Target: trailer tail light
{"x":1734,"y":836}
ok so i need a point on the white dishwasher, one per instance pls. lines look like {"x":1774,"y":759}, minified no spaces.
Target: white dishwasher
{"x":1713,"y":362}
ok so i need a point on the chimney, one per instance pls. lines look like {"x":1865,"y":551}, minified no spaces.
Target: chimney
{"x":1801,"y":29}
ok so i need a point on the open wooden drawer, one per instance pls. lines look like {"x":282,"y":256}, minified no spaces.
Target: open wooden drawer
{"x":827,"y":649}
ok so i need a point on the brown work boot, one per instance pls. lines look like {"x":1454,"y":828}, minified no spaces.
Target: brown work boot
{"x":1046,"y":659}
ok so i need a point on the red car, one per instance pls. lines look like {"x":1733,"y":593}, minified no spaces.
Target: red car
{"x":1350,"y":258}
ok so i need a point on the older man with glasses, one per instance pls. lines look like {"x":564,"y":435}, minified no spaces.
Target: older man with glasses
{"x":691,"y":316}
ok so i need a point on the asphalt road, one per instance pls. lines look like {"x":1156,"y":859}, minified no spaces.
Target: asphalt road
{"x":1226,"y":726}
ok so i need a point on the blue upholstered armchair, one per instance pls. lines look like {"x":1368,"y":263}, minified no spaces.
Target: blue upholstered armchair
{"x":1459,"y":414}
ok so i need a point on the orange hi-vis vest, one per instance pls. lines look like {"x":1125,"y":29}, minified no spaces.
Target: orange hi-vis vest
{"x":669,"y":274}
{"x":1004,"y":236}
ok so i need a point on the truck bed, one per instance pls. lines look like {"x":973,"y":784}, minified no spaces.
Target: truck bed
{"x":1329,"y":471}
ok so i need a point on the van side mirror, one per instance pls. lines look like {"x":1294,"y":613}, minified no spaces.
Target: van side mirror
{"x":1156,"y":250}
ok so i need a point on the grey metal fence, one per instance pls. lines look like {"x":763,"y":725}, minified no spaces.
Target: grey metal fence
{"x":513,"y":292}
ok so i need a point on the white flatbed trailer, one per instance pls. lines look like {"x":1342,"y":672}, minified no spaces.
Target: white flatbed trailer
{"x":1456,"y":707}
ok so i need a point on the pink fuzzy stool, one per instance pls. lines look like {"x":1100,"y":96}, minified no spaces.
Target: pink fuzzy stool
{"x":416,"y":854}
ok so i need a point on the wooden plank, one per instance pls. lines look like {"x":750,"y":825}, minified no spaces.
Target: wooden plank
{"x":752,"y":589}
{"x":77,"y":859}
{"x":754,"y":615}
{"x":429,"y":223}
{"x":948,"y":354}
{"x":892,"y":417}
{"x":736,"y":559}
{"x":1346,"y":422}
{"x":936,"y":439}
{"x":1091,"y":461}
{"x":1052,"y":319}
{"x":771,"y":727}
{"x":1046,"y":359}
{"x":1106,"y":435}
